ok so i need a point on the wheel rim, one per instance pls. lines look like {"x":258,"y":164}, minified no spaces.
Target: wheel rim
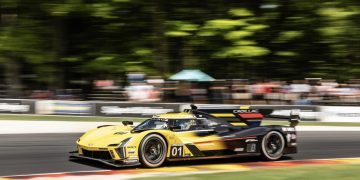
{"x":274,"y":145}
{"x":154,"y":150}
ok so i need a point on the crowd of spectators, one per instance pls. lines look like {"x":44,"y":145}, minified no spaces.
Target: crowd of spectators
{"x":234,"y":91}
{"x":240,"y":91}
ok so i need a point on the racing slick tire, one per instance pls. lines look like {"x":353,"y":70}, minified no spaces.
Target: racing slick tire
{"x":272,"y":146}
{"x":152,"y":151}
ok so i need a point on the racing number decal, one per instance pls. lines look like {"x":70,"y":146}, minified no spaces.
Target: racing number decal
{"x":176,"y":151}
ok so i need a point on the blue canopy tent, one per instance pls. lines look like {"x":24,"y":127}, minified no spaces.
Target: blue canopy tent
{"x":191,"y":75}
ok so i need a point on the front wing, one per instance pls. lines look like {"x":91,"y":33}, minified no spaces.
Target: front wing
{"x":75,"y":155}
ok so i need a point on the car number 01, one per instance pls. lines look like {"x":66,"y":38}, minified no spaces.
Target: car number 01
{"x":176,"y":151}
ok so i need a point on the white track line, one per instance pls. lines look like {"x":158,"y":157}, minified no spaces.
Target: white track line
{"x":31,"y":127}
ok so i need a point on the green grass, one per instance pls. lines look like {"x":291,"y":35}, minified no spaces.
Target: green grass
{"x":311,"y":172}
{"x":117,"y":119}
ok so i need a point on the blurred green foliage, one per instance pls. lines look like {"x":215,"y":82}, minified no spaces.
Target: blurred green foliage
{"x":59,"y":41}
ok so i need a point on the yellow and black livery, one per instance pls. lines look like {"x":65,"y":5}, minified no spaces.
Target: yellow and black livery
{"x":200,"y":132}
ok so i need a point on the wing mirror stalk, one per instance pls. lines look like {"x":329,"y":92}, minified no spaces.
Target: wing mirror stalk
{"x":294,"y":118}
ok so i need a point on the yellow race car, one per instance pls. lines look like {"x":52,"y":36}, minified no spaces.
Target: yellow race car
{"x":196,"y":133}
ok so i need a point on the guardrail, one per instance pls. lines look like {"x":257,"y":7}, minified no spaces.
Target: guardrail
{"x":114,"y":109}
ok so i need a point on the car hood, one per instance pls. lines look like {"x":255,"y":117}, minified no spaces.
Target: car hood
{"x":104,"y":136}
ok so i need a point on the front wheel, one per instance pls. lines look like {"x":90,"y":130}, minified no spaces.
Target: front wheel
{"x":272,"y":146}
{"x":152,"y":151}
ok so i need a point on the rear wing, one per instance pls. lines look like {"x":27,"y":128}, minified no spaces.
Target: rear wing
{"x":244,"y":114}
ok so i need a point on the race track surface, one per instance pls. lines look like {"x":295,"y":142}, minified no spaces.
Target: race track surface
{"x":47,"y":153}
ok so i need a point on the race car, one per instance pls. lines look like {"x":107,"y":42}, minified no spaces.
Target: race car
{"x":195,"y":133}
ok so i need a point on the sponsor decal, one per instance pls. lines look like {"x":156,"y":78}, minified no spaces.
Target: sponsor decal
{"x":245,"y":111}
{"x":251,"y":140}
{"x":14,"y":107}
{"x":239,"y":149}
{"x":287,"y":129}
{"x":63,"y":107}
{"x":116,"y":110}
{"x":348,"y":114}
{"x":340,"y":113}
{"x":72,"y":107}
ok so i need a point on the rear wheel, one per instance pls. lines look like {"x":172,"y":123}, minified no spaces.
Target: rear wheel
{"x":272,"y":146}
{"x":152,"y":151}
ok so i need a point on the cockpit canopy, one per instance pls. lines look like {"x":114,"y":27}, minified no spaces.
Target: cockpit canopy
{"x":184,"y":122}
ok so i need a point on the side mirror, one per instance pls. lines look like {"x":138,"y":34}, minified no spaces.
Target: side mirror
{"x":125,"y":123}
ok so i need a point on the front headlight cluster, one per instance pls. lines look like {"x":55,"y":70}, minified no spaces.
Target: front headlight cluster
{"x":121,"y":150}
{"x":123,"y":143}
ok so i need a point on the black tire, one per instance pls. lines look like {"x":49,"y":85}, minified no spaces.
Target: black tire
{"x":152,"y":151}
{"x":272,"y":146}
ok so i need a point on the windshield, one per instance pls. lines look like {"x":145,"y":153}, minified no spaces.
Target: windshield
{"x":152,"y":124}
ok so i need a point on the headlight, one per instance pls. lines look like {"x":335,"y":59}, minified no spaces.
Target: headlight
{"x":123,"y":143}
{"x":121,"y":150}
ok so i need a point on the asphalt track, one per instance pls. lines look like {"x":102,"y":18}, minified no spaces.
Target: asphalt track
{"x":48,"y":153}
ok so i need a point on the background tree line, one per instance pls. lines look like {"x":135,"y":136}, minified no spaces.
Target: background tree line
{"x":50,"y":43}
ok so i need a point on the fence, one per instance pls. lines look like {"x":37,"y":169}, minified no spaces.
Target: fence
{"x":133,"y":109}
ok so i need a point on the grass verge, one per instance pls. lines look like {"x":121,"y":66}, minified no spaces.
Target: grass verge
{"x":328,"y":172}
